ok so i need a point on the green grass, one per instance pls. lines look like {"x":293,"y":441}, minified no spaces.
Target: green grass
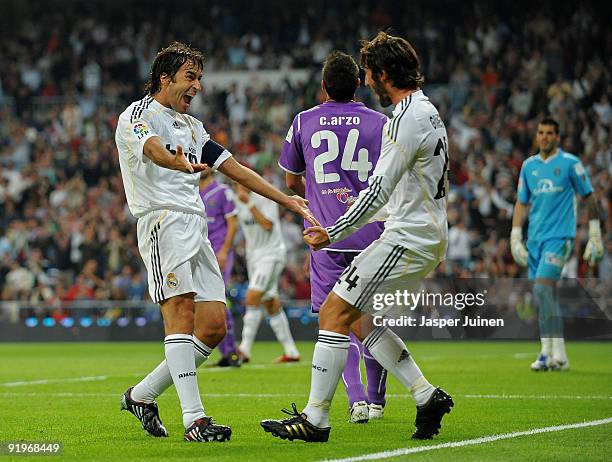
{"x":85,"y":415}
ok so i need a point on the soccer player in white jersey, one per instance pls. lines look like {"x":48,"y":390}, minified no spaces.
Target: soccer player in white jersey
{"x":161,"y":152}
{"x":410,"y":178}
{"x":266,"y":258}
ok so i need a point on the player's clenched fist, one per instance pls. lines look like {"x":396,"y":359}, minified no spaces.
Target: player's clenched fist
{"x":519,"y":252}
{"x":316,"y":237}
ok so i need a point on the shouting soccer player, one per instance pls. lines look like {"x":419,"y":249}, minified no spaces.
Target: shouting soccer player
{"x":547,"y":186}
{"x":411,"y":179}
{"x":266,"y":258}
{"x":162,"y":151}
{"x":328,"y":156}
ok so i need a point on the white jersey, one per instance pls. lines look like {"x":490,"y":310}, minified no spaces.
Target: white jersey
{"x":410,"y":179}
{"x":148,"y":186}
{"x":260,"y":243}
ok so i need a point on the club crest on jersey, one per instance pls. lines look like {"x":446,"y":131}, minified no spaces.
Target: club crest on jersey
{"x":140,"y":129}
{"x":557,"y":171}
{"x":172,"y":281}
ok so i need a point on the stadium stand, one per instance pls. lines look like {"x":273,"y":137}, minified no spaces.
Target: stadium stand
{"x":65,"y":231}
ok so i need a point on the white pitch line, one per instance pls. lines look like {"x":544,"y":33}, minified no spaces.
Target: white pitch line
{"x":284,"y":395}
{"x":537,"y":396}
{"x":47,"y":381}
{"x":481,"y":440}
{"x":203,"y":371}
{"x":489,"y":396}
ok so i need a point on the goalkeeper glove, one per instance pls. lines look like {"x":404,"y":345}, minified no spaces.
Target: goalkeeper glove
{"x":519,"y":252}
{"x":594,"y":249}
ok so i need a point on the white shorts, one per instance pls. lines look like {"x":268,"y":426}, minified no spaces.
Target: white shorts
{"x":179,"y":258}
{"x":383,"y":268}
{"x":264,"y":275}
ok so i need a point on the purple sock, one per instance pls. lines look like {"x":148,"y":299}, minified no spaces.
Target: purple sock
{"x":351,"y":376}
{"x":377,"y":379}
{"x":229,"y":341}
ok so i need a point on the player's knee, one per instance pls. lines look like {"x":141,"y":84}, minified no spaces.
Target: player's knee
{"x":336,"y":315}
{"x":272,"y":306}
{"x":179,"y":315}
{"x":213,"y":331}
{"x":253,"y":297}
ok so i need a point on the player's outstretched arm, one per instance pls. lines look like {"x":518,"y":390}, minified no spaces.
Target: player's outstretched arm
{"x":253,"y":181}
{"x":519,"y":252}
{"x":155,"y":150}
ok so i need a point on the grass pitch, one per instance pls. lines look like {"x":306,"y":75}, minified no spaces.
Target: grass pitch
{"x":69,"y":392}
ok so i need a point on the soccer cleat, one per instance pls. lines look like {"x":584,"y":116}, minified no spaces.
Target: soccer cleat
{"x":429,"y":416}
{"x":147,"y":413}
{"x":243,"y":358}
{"x":376,"y":411}
{"x":559,"y":365}
{"x":287,"y":359}
{"x":204,"y":430}
{"x":296,"y":428}
{"x":359,"y":413}
{"x":231,"y":360}
{"x":540,"y":364}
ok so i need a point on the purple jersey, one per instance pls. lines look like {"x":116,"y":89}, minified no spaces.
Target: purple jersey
{"x":336,"y":146}
{"x":219,"y":205}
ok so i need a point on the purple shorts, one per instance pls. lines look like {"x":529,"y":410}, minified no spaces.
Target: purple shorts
{"x":325,"y":270}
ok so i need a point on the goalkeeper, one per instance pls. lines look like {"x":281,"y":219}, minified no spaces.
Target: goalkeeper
{"x":547,"y":188}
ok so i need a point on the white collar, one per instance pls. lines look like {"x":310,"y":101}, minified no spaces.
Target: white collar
{"x":401,"y":105}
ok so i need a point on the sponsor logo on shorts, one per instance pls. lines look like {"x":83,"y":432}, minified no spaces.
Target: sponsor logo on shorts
{"x":172,"y":281}
{"x":553,"y":259}
{"x":140,"y":130}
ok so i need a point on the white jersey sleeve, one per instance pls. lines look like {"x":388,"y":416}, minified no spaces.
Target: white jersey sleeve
{"x":136,"y":128}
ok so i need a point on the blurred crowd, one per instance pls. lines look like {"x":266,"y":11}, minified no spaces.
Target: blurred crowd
{"x":493,"y":71}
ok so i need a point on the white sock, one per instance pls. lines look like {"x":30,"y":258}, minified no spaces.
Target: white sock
{"x":558,"y":349}
{"x":280,"y":326}
{"x":251,"y":320}
{"x":181,"y":363}
{"x":547,"y":346}
{"x":391,"y":352}
{"x":328,"y":362}
{"x":160,"y":379}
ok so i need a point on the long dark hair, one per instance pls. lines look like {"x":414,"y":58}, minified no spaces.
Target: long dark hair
{"x":168,"y":61}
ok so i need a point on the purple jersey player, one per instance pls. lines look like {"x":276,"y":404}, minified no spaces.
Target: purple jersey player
{"x":222,"y":224}
{"x":328,"y":155}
